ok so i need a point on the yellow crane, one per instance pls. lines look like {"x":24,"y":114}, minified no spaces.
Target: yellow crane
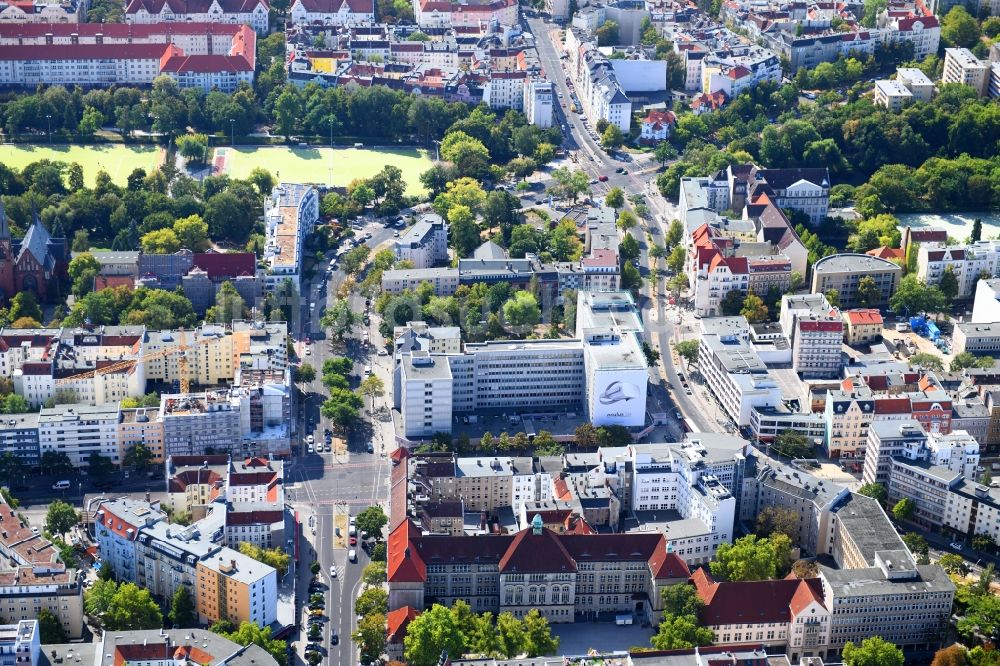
{"x":182,"y":363}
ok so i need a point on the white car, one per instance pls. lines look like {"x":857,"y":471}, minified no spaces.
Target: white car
{"x":352,"y":555}
{"x":333,"y":572}
{"x":310,"y":439}
{"x":956,"y":545}
{"x":309,"y":448}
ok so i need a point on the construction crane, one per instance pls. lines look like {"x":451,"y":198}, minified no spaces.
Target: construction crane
{"x":182,"y":363}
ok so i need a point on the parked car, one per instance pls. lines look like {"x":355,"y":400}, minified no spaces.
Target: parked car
{"x":602,"y":178}
{"x":956,"y":545}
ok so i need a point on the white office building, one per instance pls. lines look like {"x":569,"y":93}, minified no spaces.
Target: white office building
{"x":538,"y":102}
{"x":79,"y":430}
{"x":734,"y":372}
{"x":960,"y":66}
{"x":602,"y":373}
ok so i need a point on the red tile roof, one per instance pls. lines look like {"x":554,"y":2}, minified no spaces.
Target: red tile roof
{"x":50,"y":52}
{"x":405,"y":562}
{"x":397,"y":621}
{"x":661,"y":117}
{"x":885,"y":252}
{"x":754,"y":602}
{"x":533,"y":553}
{"x":864,"y":317}
{"x":115,"y":30}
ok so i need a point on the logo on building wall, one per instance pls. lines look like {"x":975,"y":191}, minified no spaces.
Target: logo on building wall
{"x":618,"y":391}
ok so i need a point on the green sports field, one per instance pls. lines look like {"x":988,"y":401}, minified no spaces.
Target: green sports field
{"x":118,"y":161}
{"x":314,"y":164}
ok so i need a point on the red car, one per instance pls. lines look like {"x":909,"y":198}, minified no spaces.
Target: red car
{"x":354,"y":541}
{"x":603,"y":179}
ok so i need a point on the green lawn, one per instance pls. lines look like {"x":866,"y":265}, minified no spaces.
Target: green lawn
{"x":119,"y":161}
{"x":313,"y":164}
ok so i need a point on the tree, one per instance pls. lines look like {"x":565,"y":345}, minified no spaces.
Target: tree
{"x":371,"y":521}
{"x":372,"y":600}
{"x":805,"y":569}
{"x":615,"y":198}
{"x":626,"y":220}
{"x":913,"y":296}
{"x":24,"y":304}
{"x":50,"y":629}
{"x":677,"y":258}
{"x":754,"y":309}
{"x":192,"y":232}
{"x":664,"y":152}
{"x":916,"y":543}
{"x":675,"y":232}
{"x":340,"y":319}
{"x":252,"y":633}
{"x":569,"y":184}
{"x":370,"y":637}
{"x":468,"y":155}
{"x":687,"y":350}
{"x":953,"y":655}
{"x":678,"y":632}
{"x":465,"y":235}
{"x":229,"y":305}
{"x":752,"y":558}
{"x":192,"y":147}
{"x":778,"y":519}
{"x":954,"y":564}
{"x":82,"y":270}
{"x":106,"y":572}
{"x":374,"y":573}
{"x":681,"y":599}
{"x":926,"y":360}
{"x":60,"y":518}
{"x":869,"y":294}
{"x":510,"y":635}
{"x":305,"y":373}
{"x":959,"y":28}
{"x":354,"y":259}
{"x":56,"y":463}
{"x":273,"y":557}
{"x":522,"y":311}
{"x":538,"y":638}
{"x":132,"y":608}
{"x":793,"y":444}
{"x":874,"y":490}
{"x":832,"y":297}
{"x":429,"y":634}
{"x":977,"y":225}
{"x":948,"y":284}
{"x":628,"y":249}
{"x":607,"y":33}
{"x":873,"y":651}
{"x":612,"y":137}
{"x":160,"y":241}
{"x":500,"y":211}
{"x":99,"y":467}
{"x":183,"y":614}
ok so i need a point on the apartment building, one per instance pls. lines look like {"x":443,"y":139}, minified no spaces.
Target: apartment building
{"x":680,"y":480}
{"x":770,"y":483}
{"x":920,"y":87}
{"x":93,"y":60}
{"x":437,"y":14}
{"x":602,"y":372}
{"x":195,"y":482}
{"x":957,"y":451}
{"x":80,"y":430}
{"x":893,"y":95}
{"x":30,"y":13}
{"x":33,"y":578}
{"x":20,"y":643}
{"x":816,"y":331}
{"x":135,"y":538}
{"x":291,"y":212}
{"x":563,"y":576}
{"x":960,"y":66}
{"x":333,"y":12}
{"x":481,"y":483}
{"x":843,"y":272}
{"x":425,"y":243}
{"x":735,"y":374}
{"x":966,"y":262}
{"x":153,"y":647}
{"x":237,"y":12}
{"x":598,"y":89}
{"x":196,"y":423}
{"x":862,"y":326}
{"x":141,"y":426}
{"x":539,"y":101}
{"x":19,"y":436}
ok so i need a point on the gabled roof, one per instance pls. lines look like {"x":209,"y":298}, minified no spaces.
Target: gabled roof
{"x":755,"y":602}
{"x":194,"y":6}
{"x":530,"y":552}
{"x":405,"y":563}
{"x":36,"y":243}
{"x":397,"y":621}
{"x":336,"y":6}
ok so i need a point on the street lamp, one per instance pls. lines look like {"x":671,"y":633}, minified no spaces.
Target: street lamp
{"x":332,"y":120}
{"x":232,"y":131}
{"x":48,"y":117}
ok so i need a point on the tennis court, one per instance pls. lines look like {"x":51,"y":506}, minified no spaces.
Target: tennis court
{"x":119,"y":161}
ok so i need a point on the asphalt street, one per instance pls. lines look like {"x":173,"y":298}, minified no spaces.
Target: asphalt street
{"x":325,"y":484}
